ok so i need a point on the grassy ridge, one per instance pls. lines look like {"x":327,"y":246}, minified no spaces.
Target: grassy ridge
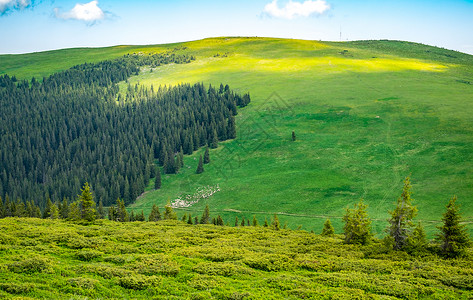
{"x":53,"y":259}
{"x":366,"y":115}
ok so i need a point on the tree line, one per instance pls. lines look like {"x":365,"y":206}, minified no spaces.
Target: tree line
{"x":76,"y":126}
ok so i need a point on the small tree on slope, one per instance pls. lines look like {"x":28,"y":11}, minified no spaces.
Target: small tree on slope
{"x":453,"y":236}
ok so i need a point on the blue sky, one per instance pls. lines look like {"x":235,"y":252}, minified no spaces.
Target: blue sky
{"x":37,"y":25}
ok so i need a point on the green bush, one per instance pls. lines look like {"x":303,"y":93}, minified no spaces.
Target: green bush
{"x":16,"y":288}
{"x":88,"y":254}
{"x":83,"y":283}
{"x":138,"y":282}
{"x":221,"y":269}
{"x":156,"y":264}
{"x":30,"y":266}
{"x":269,"y":262}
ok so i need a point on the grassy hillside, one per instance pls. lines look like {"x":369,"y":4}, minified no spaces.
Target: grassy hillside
{"x":47,"y":259}
{"x":366,"y":115}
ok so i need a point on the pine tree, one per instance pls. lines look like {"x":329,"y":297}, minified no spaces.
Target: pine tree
{"x":418,"y":240}
{"x":196,"y":220}
{"x":54,"y":212}
{"x":200,"y":166}
{"x":293,"y":136}
{"x":219,"y":221}
{"x":122,"y":214}
{"x":112,"y":213}
{"x":154,"y":215}
{"x":400,"y":224}
{"x":265,"y":222}
{"x":184,"y":218}
{"x":47,"y":209}
{"x":87,"y":203}
{"x":242,"y":224}
{"x":64,"y":211}
{"x":275,"y":223}
{"x":214,"y":140}
{"x":157,"y":179}
{"x":189,"y":220}
{"x":206,"y":156}
{"x":236,"y":221}
{"x":357,"y":227}
{"x":100,"y":210}
{"x":169,"y":213}
{"x":255,"y":221}
{"x":328,"y":228}
{"x":205,"y":216}
{"x":74,"y":211}
{"x":453,"y":236}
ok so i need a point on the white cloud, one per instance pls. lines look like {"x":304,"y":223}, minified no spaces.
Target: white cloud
{"x":89,"y":12}
{"x":296,"y":9}
{"x":6,"y":5}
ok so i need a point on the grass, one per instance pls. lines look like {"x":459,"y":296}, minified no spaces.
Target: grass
{"x":366,"y":115}
{"x":53,"y":259}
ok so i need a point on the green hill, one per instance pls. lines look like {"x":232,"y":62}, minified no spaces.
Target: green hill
{"x":51,"y":259}
{"x":366,"y":115}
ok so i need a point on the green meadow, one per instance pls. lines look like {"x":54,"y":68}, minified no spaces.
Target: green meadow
{"x":366,"y":115}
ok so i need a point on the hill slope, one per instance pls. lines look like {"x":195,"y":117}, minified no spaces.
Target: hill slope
{"x":366,"y":115}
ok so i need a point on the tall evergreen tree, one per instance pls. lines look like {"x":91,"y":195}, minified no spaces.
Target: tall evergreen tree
{"x":275,"y":223}
{"x":219,"y":221}
{"x":453,"y":235}
{"x":206,"y":156}
{"x":74,"y":211}
{"x":401,"y":222}
{"x":87,"y":203}
{"x":205,"y":216}
{"x":328,"y":228}
{"x":357,"y":227}
{"x":200,"y":166}
{"x":189,"y":219}
{"x":54,"y":212}
{"x":255,"y":221}
{"x":293,"y":136}
{"x":214,"y":140}
{"x":169,"y":213}
{"x":47,"y":209}
{"x":100,"y":210}
{"x":154,"y":215}
{"x":157,"y":179}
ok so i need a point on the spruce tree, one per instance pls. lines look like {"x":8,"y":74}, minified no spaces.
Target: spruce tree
{"x":189,"y":220}
{"x":169,"y":213}
{"x":87,"y":203}
{"x":265,"y":222}
{"x":219,"y":221}
{"x":47,"y":209}
{"x":54,"y":212}
{"x":255,"y":221}
{"x":184,"y":218}
{"x":453,"y":236}
{"x":242,"y":224}
{"x":64,"y":211}
{"x":200,"y":166}
{"x":206,"y":156}
{"x":196,"y":220}
{"x":205,"y":216}
{"x":100,"y":210}
{"x":293,"y":136}
{"x":400,"y":223}
{"x":2,"y":210}
{"x":157,"y":179}
{"x":275,"y":223}
{"x":122,"y":214}
{"x":214,"y":140}
{"x":74,"y":211}
{"x":328,"y":228}
{"x":154,"y":215}
{"x":357,"y":227}
{"x":236,"y":221}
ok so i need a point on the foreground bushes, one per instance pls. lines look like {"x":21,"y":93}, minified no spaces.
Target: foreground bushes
{"x":170,"y":259}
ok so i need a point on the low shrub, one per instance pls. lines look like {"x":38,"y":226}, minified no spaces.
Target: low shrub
{"x":88,"y":254}
{"x":138,"y":282}
{"x":16,"y":288}
{"x":30,"y":265}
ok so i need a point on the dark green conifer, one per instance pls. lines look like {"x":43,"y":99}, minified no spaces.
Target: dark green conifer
{"x":189,"y":220}
{"x":87,"y":204}
{"x":154,"y":215}
{"x":328,"y":228}
{"x":169,"y":213}
{"x":265,"y":222}
{"x":275,"y":223}
{"x":219,"y":221}
{"x":200,"y":166}
{"x":236,"y":221}
{"x":206,"y":156}
{"x":357,"y":227}
{"x":400,"y":223}
{"x":255,"y":221}
{"x":293,"y":136}
{"x":453,"y":235}
{"x":157,"y":179}
{"x":100,"y":210}
{"x":205,"y":216}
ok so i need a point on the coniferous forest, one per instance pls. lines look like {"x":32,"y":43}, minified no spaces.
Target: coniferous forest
{"x":76,"y":126}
